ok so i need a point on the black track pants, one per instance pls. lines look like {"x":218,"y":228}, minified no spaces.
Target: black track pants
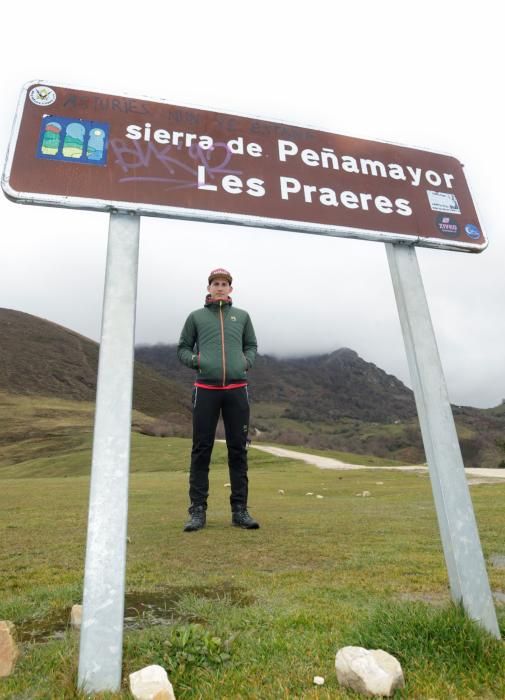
{"x":208,"y":404}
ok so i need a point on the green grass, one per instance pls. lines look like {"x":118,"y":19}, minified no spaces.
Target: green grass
{"x":37,"y":429}
{"x":435,"y":641}
{"x":272,"y":606}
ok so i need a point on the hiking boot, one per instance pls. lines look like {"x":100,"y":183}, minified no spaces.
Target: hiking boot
{"x":241,"y":518}
{"x":197,"y":518}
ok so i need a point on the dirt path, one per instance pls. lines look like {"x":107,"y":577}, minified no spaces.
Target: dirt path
{"x":484,"y":475}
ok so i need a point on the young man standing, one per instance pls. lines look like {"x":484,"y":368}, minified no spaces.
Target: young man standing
{"x":218,"y":341}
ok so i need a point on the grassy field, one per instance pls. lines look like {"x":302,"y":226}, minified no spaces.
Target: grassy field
{"x":238,"y":614}
{"x":36,"y":427}
{"x":347,"y":457}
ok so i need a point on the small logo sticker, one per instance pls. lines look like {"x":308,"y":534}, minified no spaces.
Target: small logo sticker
{"x":447,"y":225}
{"x":472,"y":231}
{"x":73,"y":140}
{"x":443,"y":201}
{"x":42,"y":96}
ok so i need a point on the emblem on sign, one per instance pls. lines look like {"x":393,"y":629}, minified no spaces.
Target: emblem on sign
{"x":42,"y":95}
{"x":447,"y":225}
{"x":472,"y":231}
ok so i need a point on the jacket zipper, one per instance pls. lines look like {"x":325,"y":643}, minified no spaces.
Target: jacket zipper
{"x":222,"y":341}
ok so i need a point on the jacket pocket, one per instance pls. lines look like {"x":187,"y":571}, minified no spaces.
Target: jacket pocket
{"x":236,"y":366}
{"x":209,"y":365}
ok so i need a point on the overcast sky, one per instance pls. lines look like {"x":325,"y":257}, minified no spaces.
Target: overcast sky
{"x":425,"y":74}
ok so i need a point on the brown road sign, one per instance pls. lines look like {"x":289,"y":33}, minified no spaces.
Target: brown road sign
{"x":88,"y":150}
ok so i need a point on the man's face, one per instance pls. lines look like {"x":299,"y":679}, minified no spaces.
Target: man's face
{"x":219,"y":288}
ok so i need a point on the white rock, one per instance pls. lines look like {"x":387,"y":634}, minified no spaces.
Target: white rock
{"x":379,"y":483}
{"x":151,"y":683}
{"x":366,"y":493}
{"x":319,"y":496}
{"x":227,"y":485}
{"x":318,"y":680}
{"x":309,"y":493}
{"x":281,"y":491}
{"x":370,"y":672}
{"x":76,"y":616}
{"x":9,"y":651}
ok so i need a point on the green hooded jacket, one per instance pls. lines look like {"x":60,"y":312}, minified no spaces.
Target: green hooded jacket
{"x":219,"y":342}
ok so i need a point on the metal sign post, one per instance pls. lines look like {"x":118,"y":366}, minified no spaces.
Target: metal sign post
{"x":104,"y":577}
{"x":460,"y":538}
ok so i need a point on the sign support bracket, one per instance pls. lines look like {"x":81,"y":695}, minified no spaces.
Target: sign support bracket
{"x":100,"y":654}
{"x":465,"y":563}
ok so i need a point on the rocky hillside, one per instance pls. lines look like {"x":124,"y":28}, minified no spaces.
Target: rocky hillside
{"x":340,"y":401}
{"x":320,"y":387}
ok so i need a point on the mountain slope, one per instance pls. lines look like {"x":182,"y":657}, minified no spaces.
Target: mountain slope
{"x":39,"y":357}
{"x":340,"y":401}
{"x":320,"y":387}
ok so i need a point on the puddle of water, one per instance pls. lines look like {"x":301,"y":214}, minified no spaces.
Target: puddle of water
{"x":141,"y":610}
{"x":44,"y":628}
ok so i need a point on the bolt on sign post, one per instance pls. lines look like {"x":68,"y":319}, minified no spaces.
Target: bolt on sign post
{"x":132,"y":156}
